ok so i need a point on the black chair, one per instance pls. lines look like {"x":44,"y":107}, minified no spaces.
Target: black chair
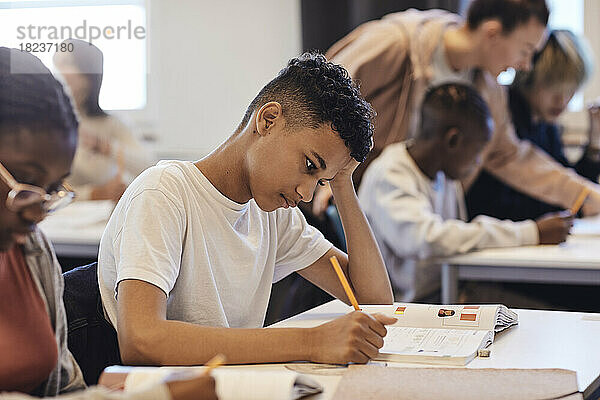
{"x":91,"y":339}
{"x":294,"y":294}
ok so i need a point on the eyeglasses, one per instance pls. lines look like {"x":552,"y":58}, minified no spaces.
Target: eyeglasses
{"x":22,"y":195}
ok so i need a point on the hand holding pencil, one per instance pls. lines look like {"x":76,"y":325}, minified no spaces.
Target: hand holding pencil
{"x":202,"y":386}
{"x":352,"y":338}
{"x":553,"y":228}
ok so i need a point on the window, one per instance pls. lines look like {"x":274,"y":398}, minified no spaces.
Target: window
{"x":117,"y":28}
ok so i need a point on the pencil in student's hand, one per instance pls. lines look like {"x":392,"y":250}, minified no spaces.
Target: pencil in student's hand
{"x":580,"y":199}
{"x":338,"y":270}
{"x":214,"y":362}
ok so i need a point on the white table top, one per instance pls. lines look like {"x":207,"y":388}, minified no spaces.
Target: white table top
{"x":579,"y":251}
{"x":543,"y":339}
{"x":77,"y":229}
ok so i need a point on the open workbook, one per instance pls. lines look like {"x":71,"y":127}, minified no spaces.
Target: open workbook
{"x":440,"y":334}
{"x":232,"y":383}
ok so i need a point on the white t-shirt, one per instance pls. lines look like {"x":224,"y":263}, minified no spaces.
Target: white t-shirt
{"x":214,"y":258}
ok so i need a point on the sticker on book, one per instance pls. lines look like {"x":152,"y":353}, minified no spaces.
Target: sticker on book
{"x":443,"y":312}
{"x":399,"y":311}
{"x":467,"y":316}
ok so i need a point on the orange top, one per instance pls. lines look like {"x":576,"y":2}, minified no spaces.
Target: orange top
{"x":27,"y":341}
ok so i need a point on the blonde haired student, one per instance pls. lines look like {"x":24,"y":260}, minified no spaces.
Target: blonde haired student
{"x":414,"y":201}
{"x":537,"y":98}
{"x":190,"y":253}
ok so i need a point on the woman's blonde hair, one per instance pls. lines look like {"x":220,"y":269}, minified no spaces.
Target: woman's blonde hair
{"x":564,"y":58}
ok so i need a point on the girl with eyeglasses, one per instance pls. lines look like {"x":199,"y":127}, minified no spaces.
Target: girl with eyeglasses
{"x":38,"y":137}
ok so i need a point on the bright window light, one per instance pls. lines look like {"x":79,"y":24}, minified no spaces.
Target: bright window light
{"x":117,"y":28}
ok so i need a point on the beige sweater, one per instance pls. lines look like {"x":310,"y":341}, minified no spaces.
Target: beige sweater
{"x":392,"y":60}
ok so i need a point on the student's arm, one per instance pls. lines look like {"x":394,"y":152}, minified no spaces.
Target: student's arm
{"x":410,"y":226}
{"x":148,"y":252}
{"x":147,"y":337}
{"x":525,"y":167}
{"x":363,"y":265}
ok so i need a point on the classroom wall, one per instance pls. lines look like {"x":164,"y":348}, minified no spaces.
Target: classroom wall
{"x":207,"y":60}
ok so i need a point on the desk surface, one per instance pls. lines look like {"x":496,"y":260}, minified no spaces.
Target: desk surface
{"x":579,"y":252}
{"x":76,"y":230}
{"x":543,"y":339}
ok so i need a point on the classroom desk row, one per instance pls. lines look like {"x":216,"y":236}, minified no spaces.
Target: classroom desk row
{"x":546,"y":340}
{"x":76,"y":231}
{"x":577,"y":261}
{"x":543,"y":339}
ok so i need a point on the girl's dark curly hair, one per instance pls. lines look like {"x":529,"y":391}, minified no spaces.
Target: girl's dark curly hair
{"x":312,"y":92}
{"x":31,"y":98}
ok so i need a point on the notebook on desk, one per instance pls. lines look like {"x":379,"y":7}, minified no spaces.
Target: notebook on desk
{"x":440,"y":334}
{"x":231,"y":383}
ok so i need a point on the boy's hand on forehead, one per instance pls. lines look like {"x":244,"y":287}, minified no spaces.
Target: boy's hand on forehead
{"x":342,"y":179}
{"x":346,"y":172}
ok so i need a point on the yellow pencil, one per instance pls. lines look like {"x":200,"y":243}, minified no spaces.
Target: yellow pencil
{"x":214,"y":362}
{"x":338,"y":270}
{"x":580,"y":199}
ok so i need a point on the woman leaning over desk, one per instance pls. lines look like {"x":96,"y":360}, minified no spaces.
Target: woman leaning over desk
{"x":38,"y":136}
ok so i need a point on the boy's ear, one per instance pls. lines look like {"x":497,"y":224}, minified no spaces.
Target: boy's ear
{"x":267,"y":116}
{"x":492,"y":29}
{"x":452,"y":138}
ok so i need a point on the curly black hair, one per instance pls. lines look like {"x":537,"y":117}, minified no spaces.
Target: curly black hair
{"x":454,"y":105}
{"x":31,"y":98}
{"x":313,"y":91}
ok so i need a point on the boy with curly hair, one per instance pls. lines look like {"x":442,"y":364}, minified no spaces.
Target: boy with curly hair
{"x":189,"y":255}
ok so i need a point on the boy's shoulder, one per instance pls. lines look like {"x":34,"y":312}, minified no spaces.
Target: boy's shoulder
{"x":393,"y":166}
{"x":395,"y":158}
{"x":165,"y":174}
{"x":174,"y":179}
